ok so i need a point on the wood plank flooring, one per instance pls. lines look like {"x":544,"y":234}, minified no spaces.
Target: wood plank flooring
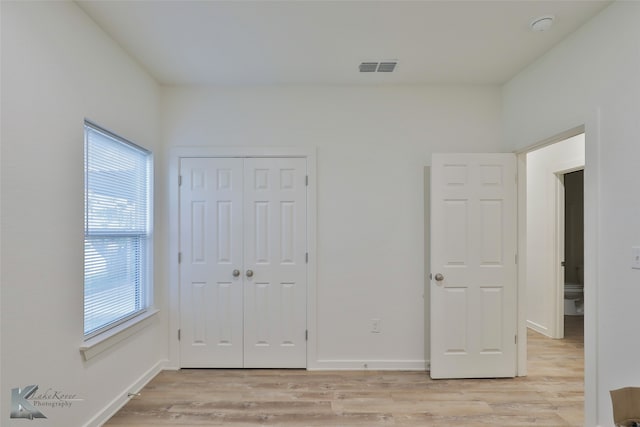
{"x":551,"y":395}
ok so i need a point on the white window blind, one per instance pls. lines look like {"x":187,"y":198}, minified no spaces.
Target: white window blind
{"x":117,"y":244}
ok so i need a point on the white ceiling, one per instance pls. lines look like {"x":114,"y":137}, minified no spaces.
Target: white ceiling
{"x":323,"y":42}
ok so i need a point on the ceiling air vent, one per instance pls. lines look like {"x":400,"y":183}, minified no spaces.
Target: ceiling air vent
{"x":380,"y":67}
{"x":387,"y":67}
{"x":368,"y":67}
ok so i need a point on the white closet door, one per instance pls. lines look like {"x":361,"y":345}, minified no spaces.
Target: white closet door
{"x":243,"y":270}
{"x":275,"y":265}
{"x":211,"y":297}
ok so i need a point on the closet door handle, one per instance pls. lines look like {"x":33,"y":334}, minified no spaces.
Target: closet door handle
{"x":249,"y":273}
{"x":236,"y":273}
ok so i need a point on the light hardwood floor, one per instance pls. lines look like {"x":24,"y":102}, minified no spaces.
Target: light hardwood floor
{"x":551,"y":395}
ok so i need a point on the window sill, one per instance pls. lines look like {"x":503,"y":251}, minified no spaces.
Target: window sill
{"x":96,"y":345}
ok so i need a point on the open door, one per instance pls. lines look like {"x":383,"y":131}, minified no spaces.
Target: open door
{"x":473,"y":266}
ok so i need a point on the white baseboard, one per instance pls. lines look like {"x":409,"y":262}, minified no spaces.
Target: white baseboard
{"x":364,"y":365}
{"x":171,"y":368}
{"x":538,"y":328}
{"x":116,"y":404}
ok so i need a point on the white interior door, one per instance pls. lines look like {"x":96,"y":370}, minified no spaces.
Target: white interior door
{"x":211,"y":297}
{"x":243,"y":268}
{"x":275,"y":255}
{"x":473,"y":263}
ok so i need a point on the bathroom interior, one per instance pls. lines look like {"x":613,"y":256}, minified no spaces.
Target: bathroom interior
{"x":574,"y":244}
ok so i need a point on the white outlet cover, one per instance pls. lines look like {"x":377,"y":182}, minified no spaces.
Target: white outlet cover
{"x":635,"y":257}
{"x":375,"y":326}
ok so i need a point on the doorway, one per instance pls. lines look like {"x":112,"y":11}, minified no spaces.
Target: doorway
{"x":573,"y":246}
{"x":546,"y":169}
{"x":542,"y":169}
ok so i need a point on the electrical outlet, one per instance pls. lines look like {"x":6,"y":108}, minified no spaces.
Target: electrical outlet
{"x":635,"y":257}
{"x":375,"y":326}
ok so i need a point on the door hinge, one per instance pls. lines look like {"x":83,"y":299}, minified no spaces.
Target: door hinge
{"x":179,"y":180}
{"x":306,"y":180}
{"x":178,"y":334}
{"x":516,"y":339}
{"x":306,"y":257}
{"x":516,"y":257}
{"x":179,"y":257}
{"x":306,"y":335}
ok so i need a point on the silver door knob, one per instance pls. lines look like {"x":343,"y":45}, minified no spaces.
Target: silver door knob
{"x":236,"y":273}
{"x":439,"y":277}
{"x":249,"y":273}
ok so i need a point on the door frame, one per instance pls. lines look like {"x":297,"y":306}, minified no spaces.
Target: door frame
{"x":559,"y":249}
{"x":172,"y":204}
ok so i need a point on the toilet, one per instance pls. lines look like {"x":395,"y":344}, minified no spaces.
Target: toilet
{"x":574,"y":296}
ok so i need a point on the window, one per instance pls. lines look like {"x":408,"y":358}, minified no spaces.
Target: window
{"x":117,"y":230}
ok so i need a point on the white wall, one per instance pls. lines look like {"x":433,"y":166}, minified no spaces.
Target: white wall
{"x":372,"y":146}
{"x":593,"y":78}
{"x":543,"y":165}
{"x":57,"y":69}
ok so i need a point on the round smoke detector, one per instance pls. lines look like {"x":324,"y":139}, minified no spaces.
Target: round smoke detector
{"x":541,"y":24}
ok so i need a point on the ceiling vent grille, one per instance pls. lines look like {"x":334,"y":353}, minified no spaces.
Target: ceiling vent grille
{"x":368,"y":67}
{"x":387,"y":67}
{"x":380,"y":67}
